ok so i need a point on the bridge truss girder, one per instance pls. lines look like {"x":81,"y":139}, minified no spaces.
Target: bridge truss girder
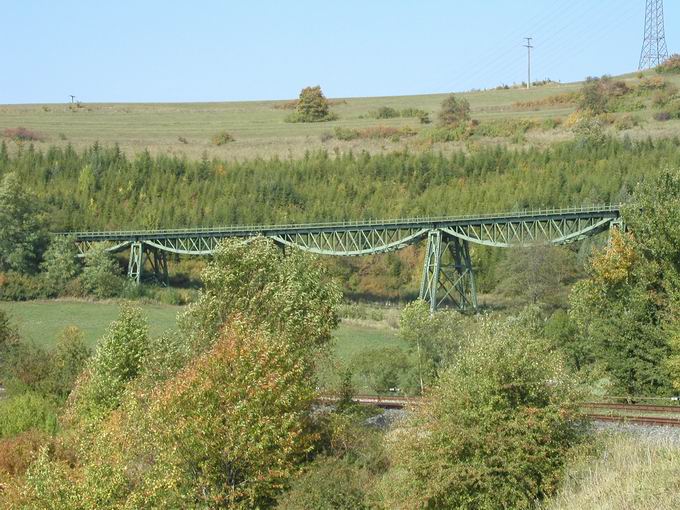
{"x":448,"y":276}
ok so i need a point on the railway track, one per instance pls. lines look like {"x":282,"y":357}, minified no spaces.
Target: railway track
{"x":610,"y":412}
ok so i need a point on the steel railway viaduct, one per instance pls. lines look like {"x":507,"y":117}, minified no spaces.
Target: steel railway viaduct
{"x":448,"y":277}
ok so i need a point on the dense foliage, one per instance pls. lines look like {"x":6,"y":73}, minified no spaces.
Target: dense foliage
{"x":101,"y":188}
{"x":495,"y":431}
{"x":164,"y":191}
{"x":626,"y":314}
{"x":215,"y":415}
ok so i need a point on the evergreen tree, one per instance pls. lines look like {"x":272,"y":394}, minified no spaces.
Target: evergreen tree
{"x":21,"y":227}
{"x":60,"y":264}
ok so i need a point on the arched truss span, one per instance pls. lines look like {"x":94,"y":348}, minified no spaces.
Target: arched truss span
{"x":352,"y":243}
{"x":512,"y":234}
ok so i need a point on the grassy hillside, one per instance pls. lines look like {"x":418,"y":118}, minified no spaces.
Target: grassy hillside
{"x":259,"y":128}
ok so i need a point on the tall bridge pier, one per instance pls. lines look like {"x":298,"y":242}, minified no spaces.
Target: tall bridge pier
{"x":448,"y":274}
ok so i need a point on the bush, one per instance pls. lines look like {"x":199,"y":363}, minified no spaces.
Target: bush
{"x":24,"y":367}
{"x":27,"y":411}
{"x":373,"y":133}
{"x":60,"y":264}
{"x":437,"y":339}
{"x":662,"y":116}
{"x":670,"y":66}
{"x":626,"y":122}
{"x":17,"y":452}
{"x":597,"y":93}
{"x":385,"y":112}
{"x":495,"y":432}
{"x":101,"y":274}
{"x":312,"y":106}
{"x":22,"y":287}
{"x":454,"y":111}
{"x":118,"y":359}
{"x":653,"y":83}
{"x":329,"y":483}
{"x":23,"y":135}
{"x":67,"y":362}
{"x":383,"y":369}
{"x":222,"y":138}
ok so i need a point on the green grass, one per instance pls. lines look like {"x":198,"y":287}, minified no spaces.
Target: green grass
{"x":352,"y":339}
{"x":41,"y":322}
{"x":259,"y":128}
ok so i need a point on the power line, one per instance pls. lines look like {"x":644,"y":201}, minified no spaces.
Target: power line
{"x":654,"y":49}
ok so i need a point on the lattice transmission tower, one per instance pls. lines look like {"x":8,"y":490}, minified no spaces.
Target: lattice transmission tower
{"x":654,"y":49}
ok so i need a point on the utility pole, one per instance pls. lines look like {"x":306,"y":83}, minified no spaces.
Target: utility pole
{"x":72,"y":98}
{"x":529,"y":47}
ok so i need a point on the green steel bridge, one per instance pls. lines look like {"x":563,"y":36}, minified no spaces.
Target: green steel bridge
{"x":448,"y":276}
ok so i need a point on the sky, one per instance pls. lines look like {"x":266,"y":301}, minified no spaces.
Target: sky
{"x":211,"y":50}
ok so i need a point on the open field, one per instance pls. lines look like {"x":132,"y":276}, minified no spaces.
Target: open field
{"x":41,"y":322}
{"x":259,"y":127}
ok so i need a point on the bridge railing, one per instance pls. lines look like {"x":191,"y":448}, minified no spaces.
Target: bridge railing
{"x":605,"y":208}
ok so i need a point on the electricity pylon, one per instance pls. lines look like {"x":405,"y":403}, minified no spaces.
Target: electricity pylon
{"x":654,"y":49}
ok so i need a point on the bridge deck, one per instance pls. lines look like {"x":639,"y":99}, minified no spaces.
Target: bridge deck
{"x":236,"y":231}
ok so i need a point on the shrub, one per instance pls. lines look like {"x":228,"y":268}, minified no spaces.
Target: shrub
{"x":664,"y":96}
{"x":22,"y":287}
{"x":385,"y":112}
{"x":346,"y":134}
{"x":101,"y":274}
{"x":653,"y":83}
{"x":24,"y":367}
{"x":383,"y":369}
{"x":60,"y":264}
{"x":454,"y":111}
{"x":670,"y":65}
{"x":117,"y":360}
{"x":312,"y":106}
{"x":495,"y":432}
{"x":329,"y":483}
{"x":238,"y":415}
{"x":556,"y":100}
{"x":662,"y":116}
{"x":551,"y":123}
{"x":373,"y":133}
{"x":27,"y":411}
{"x":625,"y":122}
{"x":435,"y":338}
{"x":222,"y":138}
{"x":67,"y":362}
{"x":597,"y":93}
{"x":23,"y":135}
{"x":258,"y":281}
{"x":17,"y":452}
{"x":9,"y":335}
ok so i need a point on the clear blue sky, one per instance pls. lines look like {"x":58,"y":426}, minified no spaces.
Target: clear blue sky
{"x":210,"y":50}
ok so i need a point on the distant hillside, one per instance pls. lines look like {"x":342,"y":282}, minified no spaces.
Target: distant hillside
{"x":516,"y":117}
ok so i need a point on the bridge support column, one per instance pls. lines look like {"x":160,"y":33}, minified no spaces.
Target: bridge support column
{"x":158,"y":260}
{"x":447,"y":273}
{"x":136,"y":262}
